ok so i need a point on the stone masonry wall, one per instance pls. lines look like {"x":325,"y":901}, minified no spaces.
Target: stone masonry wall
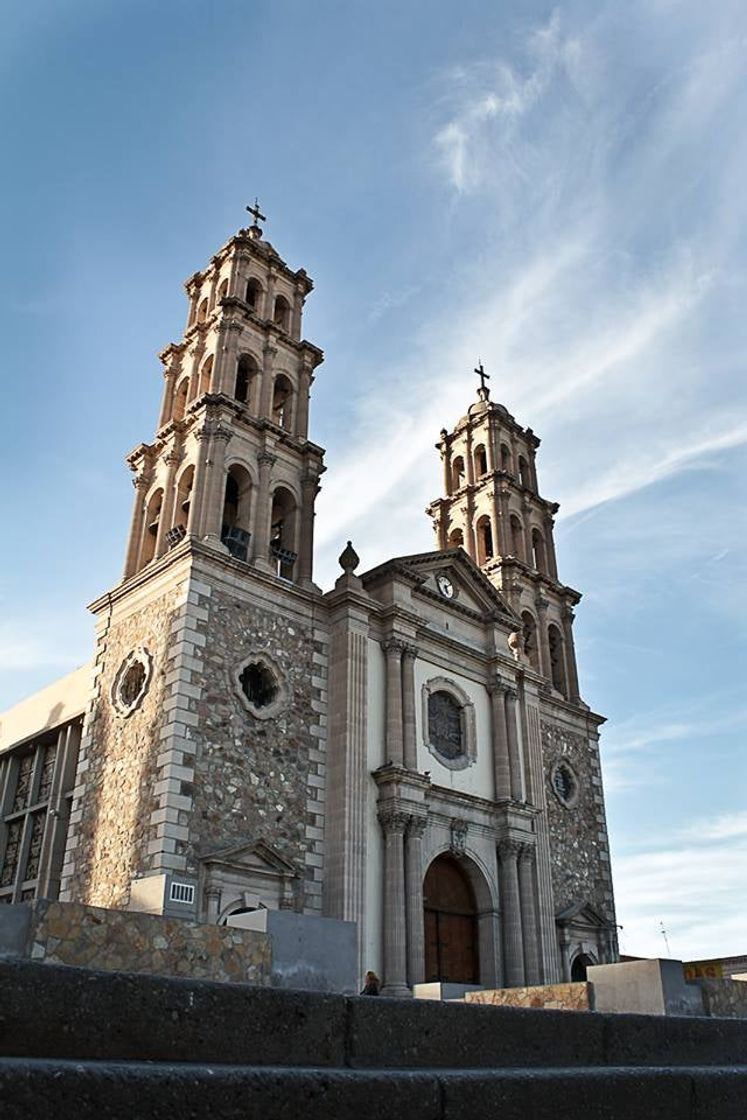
{"x":115,"y":794}
{"x":579,"y":847}
{"x":91,"y":937}
{"x":261,"y":779}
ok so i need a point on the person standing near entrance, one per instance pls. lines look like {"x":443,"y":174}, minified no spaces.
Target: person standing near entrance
{"x":371,"y":984}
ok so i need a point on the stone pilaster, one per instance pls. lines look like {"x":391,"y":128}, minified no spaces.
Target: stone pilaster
{"x":415,"y":921}
{"x":528,"y":902}
{"x":269,"y":354}
{"x":212,"y":514}
{"x":261,"y":542}
{"x":309,"y":489}
{"x":394,"y":822}
{"x":226,"y":358}
{"x":501,"y":768}
{"x":512,"y":736}
{"x":570,"y":655}
{"x":410,"y":748}
{"x":543,"y":645}
{"x":394,"y":745}
{"x":305,"y":379}
{"x":172,"y":460}
{"x":513,"y":948}
{"x":141,"y":483}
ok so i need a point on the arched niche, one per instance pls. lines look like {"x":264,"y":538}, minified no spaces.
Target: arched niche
{"x":253,"y":294}
{"x":458,"y":474}
{"x":481,"y":460}
{"x":283,"y":518}
{"x":282,"y":402}
{"x":180,"y":399}
{"x":484,"y":535}
{"x":246,"y":382}
{"x":235,"y":531}
{"x":539,"y":559}
{"x":281,"y":313}
{"x":556,"y":647}
{"x":150,"y":527}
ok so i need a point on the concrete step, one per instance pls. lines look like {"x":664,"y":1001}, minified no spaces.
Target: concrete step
{"x":36,"y":1090}
{"x":70,"y":1013}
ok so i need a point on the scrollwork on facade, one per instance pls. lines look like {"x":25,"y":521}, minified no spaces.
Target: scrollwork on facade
{"x":458,"y":834}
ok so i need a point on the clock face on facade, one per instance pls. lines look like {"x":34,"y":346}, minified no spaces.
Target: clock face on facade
{"x":445,"y":586}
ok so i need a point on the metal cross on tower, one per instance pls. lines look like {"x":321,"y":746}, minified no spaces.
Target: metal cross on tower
{"x":256,"y":213}
{"x":482,"y":375}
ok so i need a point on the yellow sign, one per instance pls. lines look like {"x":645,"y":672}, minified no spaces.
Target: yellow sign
{"x":711,"y":970}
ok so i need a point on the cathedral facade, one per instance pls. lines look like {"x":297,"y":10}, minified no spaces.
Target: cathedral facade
{"x":408,"y":751}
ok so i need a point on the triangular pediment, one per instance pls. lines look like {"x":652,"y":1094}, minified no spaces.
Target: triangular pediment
{"x":581,"y":914}
{"x":449,"y":577}
{"x":253,"y":856}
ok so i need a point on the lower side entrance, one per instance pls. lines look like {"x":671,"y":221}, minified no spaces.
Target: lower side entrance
{"x":450,"y":924}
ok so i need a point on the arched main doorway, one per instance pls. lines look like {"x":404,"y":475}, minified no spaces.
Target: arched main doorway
{"x":451,"y":952}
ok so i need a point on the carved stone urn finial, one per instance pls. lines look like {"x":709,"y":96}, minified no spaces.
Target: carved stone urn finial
{"x":515,"y":644}
{"x":349,"y":560}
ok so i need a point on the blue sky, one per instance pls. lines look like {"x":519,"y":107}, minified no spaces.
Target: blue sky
{"x":558,"y":189}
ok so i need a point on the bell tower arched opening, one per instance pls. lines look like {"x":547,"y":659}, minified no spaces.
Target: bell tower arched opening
{"x":236,"y":511}
{"x":451,"y":925}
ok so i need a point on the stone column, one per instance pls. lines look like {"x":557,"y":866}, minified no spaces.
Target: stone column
{"x":528,"y":551}
{"x":261,"y":537}
{"x":499,"y":736}
{"x":140,"y":482}
{"x":529,"y":914}
{"x":212,"y":513}
{"x":197,"y":501}
{"x":270,"y":295}
{"x":439,"y":525}
{"x":506,"y":544}
{"x":564,"y":954}
{"x":552,"y":560}
{"x":194,"y":373}
{"x":570,"y":655}
{"x":310,"y":489}
{"x":298,"y":302}
{"x":512,"y":736}
{"x":543,"y":645}
{"x":212,"y":905}
{"x":415,"y":919}
{"x":446,"y":462}
{"x":167,"y":402}
{"x":513,"y":950}
{"x":226,"y":358}
{"x":490,"y":447}
{"x":305,"y":379}
{"x":469,"y":464}
{"x":410,"y":748}
{"x":172,"y":460}
{"x":469,"y":541}
{"x":394,"y":823}
{"x":265,"y":399}
{"x":394,"y":744}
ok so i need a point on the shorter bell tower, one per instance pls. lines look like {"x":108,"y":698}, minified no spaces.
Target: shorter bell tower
{"x":491,"y":507}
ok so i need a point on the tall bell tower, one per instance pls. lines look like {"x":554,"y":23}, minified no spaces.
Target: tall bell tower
{"x":491,"y":507}
{"x":234,"y":420}
{"x":202,"y":757}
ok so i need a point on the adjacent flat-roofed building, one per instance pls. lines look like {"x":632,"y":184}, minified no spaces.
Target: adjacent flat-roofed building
{"x":409,"y":751}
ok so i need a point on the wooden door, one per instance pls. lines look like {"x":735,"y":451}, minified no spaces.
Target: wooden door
{"x":450,"y":924}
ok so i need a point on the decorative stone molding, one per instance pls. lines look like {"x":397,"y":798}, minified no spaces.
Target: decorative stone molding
{"x":468,"y":753}
{"x":416,"y":827}
{"x":393,"y":819}
{"x":260,"y":671}
{"x":132,"y":681}
{"x":509,"y":849}
{"x":458,"y":843}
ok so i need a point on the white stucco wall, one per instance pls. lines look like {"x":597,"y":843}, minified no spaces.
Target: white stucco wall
{"x":476,"y":779}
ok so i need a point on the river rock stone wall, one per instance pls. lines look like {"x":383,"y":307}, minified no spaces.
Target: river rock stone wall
{"x":261,"y":779}
{"x":579,"y":847}
{"x":115,"y":795}
{"x":116,"y":940}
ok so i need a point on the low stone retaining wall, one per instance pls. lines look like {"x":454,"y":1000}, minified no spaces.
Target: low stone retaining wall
{"x":123,"y":941}
{"x":561,"y":997}
{"x":723,"y":999}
